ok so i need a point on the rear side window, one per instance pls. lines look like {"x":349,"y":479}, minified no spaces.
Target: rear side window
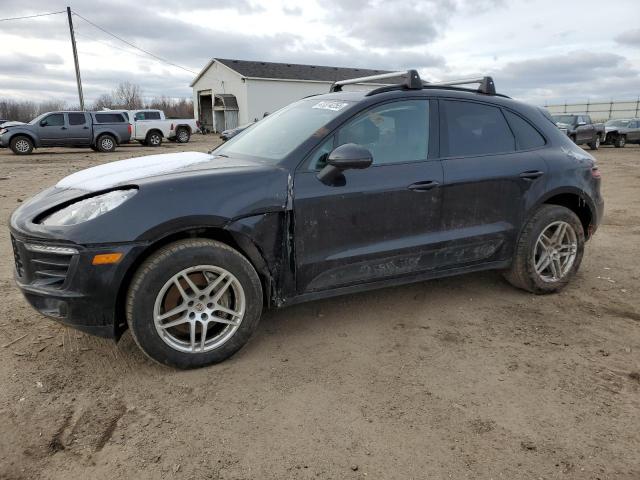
{"x":77,"y":119}
{"x":526,"y":136}
{"x":109,"y":118}
{"x":474,"y":129}
{"x":148,"y":116}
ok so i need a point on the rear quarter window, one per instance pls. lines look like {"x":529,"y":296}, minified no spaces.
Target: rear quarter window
{"x":527,"y":136}
{"x":109,"y":118}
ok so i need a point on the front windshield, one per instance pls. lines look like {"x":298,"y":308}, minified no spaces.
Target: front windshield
{"x":37,"y":119}
{"x":569,"y":119}
{"x":278,"y":134}
{"x":617,"y":123}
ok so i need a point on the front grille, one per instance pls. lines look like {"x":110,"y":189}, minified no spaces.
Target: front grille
{"x":40,"y":268}
{"x":17,"y":258}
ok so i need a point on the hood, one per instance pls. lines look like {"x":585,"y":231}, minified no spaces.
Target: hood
{"x":11,"y":124}
{"x":130,"y":171}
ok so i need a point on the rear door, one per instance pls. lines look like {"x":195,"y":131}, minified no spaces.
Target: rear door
{"x":52,"y":130}
{"x":377,"y":223}
{"x":488,"y":174}
{"x":144,"y":121}
{"x":79,"y":128}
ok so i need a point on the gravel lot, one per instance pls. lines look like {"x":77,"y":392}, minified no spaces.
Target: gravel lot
{"x":464,"y":377}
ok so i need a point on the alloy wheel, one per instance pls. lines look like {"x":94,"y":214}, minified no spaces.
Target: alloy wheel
{"x":199,"y":309}
{"x":555,"y":251}
{"x":106,"y":143}
{"x":22,"y":146}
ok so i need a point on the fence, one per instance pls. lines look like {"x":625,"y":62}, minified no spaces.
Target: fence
{"x":600,"y":111}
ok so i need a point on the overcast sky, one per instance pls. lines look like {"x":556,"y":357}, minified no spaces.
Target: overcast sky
{"x":542,"y":51}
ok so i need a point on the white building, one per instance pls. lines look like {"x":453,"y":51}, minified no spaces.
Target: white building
{"x":227,"y":93}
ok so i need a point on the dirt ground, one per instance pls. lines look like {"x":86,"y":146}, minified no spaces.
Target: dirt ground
{"x":464,"y":377}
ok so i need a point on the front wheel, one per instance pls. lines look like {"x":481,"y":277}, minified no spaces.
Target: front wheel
{"x":21,"y":145}
{"x":154,"y":139}
{"x":549,"y":251}
{"x":620,"y":142}
{"x":595,"y":144}
{"x":193,"y":303}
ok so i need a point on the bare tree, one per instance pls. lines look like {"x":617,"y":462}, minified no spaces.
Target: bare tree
{"x":173,"y":108}
{"x":105,"y":100}
{"x":128,"y":96}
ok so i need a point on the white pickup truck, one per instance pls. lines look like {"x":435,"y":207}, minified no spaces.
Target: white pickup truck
{"x":150,"y":126}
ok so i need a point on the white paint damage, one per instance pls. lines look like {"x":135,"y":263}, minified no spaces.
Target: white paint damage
{"x":126,"y":171}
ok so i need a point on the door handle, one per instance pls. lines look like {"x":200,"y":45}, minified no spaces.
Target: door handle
{"x":63,"y":128}
{"x":423,"y":186}
{"x":531,"y":174}
{"x":85,"y":128}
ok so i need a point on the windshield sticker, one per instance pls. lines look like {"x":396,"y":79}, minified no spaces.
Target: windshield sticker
{"x":335,"y":106}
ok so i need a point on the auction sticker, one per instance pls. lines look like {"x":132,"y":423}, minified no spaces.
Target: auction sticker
{"x":326,"y":105}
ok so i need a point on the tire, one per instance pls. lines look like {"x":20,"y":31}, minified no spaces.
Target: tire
{"x":523,"y":273}
{"x":21,"y":145}
{"x":573,"y":139}
{"x":620,"y":142}
{"x":94,"y":148}
{"x":183,"y":135}
{"x":595,"y":144}
{"x":154,"y":139}
{"x":106,"y":143}
{"x":153,"y":293}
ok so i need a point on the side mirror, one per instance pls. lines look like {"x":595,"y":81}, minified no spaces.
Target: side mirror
{"x":345,"y":157}
{"x":43,"y":123}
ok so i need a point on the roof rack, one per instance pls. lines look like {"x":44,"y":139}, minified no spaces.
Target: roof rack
{"x":485,"y":86}
{"x":412,"y":80}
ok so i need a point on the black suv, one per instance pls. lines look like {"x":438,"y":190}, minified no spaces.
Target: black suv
{"x":333,"y":194}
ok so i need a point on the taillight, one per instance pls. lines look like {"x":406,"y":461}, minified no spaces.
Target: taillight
{"x":129,"y":128}
{"x":595,"y":172}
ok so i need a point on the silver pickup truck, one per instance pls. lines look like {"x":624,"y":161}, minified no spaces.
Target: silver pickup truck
{"x":100,"y":131}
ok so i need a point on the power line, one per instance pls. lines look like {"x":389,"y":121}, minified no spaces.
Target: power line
{"x":31,"y":16}
{"x":134,"y":46}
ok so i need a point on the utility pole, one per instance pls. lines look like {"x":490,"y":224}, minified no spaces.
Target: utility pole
{"x":75,"y":58}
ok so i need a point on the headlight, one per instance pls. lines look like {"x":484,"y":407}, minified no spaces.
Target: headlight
{"x":3,"y":130}
{"x":88,"y":209}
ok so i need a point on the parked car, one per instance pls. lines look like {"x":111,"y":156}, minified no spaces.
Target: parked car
{"x":101,"y":131}
{"x":333,"y":194}
{"x":620,"y":132}
{"x":232,"y":132}
{"x":581,"y":129}
{"x":150,"y":126}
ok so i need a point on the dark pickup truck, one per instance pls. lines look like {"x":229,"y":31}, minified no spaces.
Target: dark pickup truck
{"x":101,"y":131}
{"x":581,"y":129}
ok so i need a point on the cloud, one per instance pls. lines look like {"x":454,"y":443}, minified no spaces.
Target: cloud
{"x":630,"y":37}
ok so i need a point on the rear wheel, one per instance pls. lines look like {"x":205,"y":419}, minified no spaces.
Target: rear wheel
{"x":183,"y":135}
{"x":620,"y":142}
{"x":106,"y":143}
{"x":154,"y":139}
{"x":194,"y":303}
{"x":595,"y":144}
{"x":21,"y":145}
{"x":549,"y":251}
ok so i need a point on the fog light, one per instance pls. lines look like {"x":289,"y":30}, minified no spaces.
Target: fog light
{"x":106,"y":258}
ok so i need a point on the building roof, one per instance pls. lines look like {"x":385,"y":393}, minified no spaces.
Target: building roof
{"x":293,"y":71}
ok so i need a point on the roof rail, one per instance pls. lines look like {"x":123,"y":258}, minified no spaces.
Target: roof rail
{"x":412,"y":80}
{"x":486,"y":84}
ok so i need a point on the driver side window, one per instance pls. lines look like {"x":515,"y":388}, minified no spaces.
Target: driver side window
{"x":55,"y":120}
{"x":396,"y":132}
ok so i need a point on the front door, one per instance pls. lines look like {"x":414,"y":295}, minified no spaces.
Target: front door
{"x":52,"y":130}
{"x":490,"y":163}
{"x":371,"y":224}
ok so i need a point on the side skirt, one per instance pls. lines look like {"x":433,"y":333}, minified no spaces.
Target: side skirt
{"x":363,"y":287}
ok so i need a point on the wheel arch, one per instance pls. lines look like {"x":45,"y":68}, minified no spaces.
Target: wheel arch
{"x":242,"y":243}
{"x":154,"y":130}
{"x":112,"y":134}
{"x":29,"y":135}
{"x":184,"y":125}
{"x":576,"y":201}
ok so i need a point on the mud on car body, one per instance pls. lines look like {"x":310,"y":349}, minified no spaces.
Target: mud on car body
{"x":334,"y":194}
